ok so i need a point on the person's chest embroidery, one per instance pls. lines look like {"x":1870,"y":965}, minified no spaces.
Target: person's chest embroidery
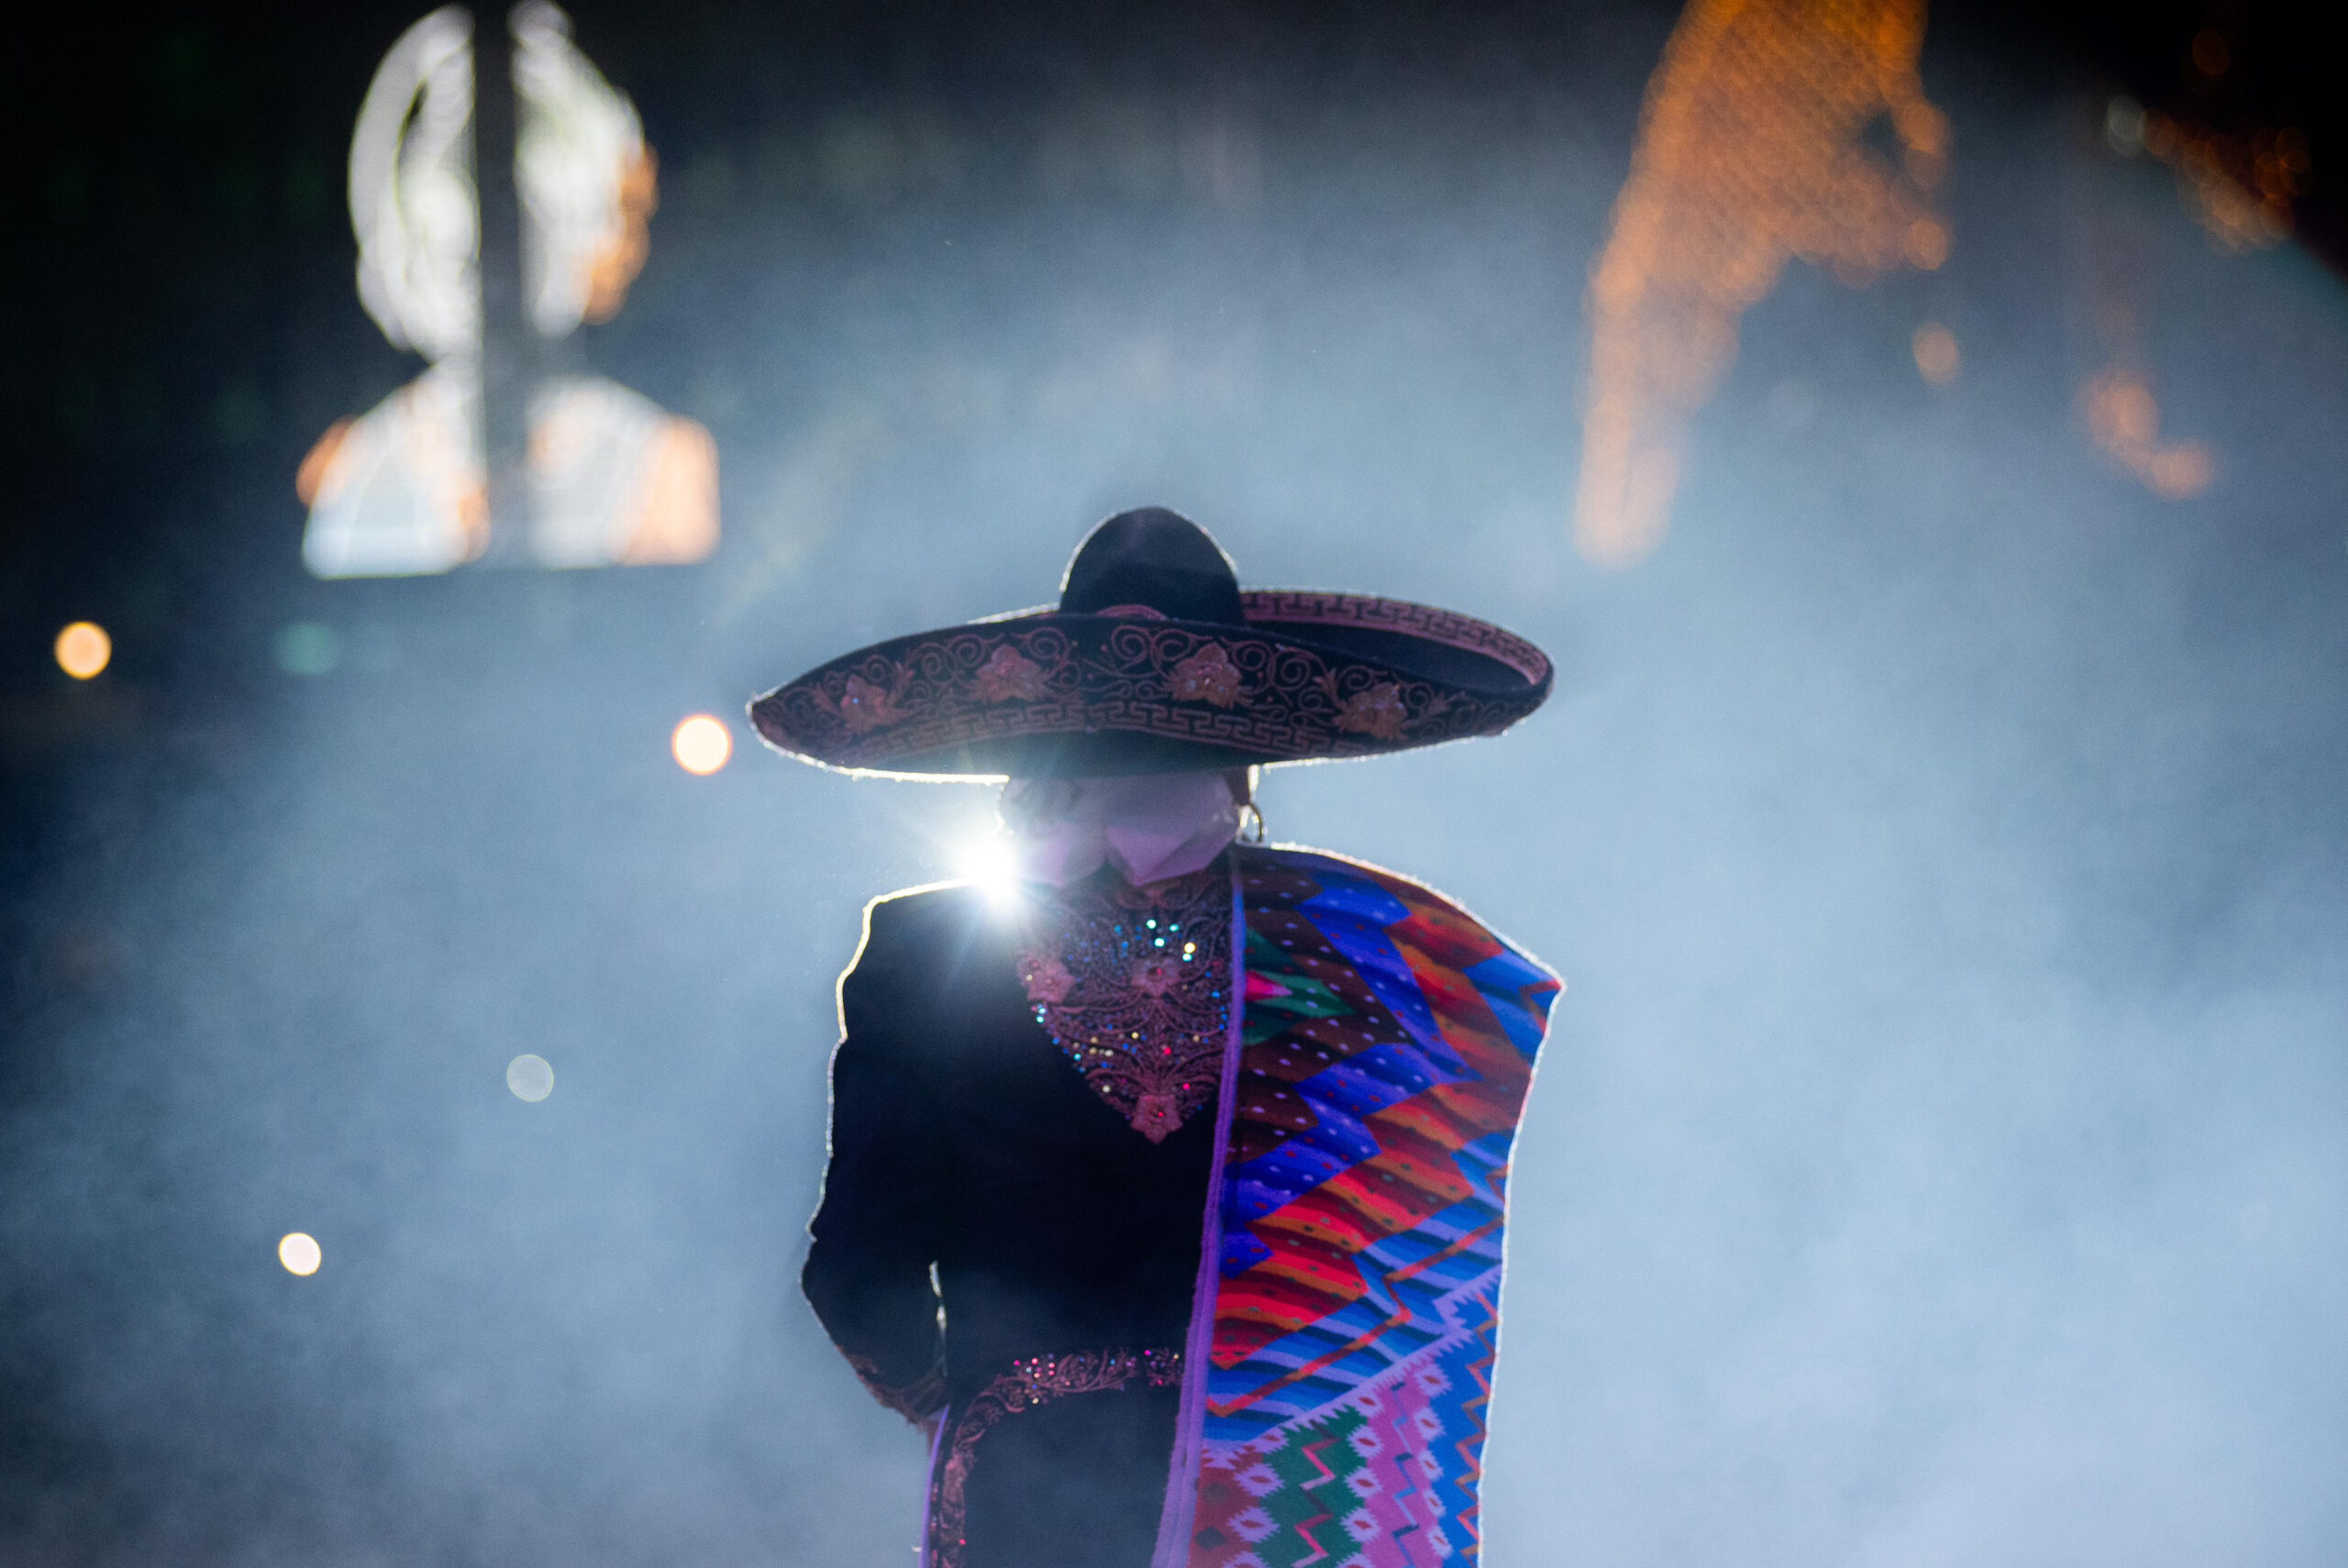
{"x":1134,"y":986}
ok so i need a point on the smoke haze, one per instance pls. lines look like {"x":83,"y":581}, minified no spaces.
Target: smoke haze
{"x":1938,"y":1157}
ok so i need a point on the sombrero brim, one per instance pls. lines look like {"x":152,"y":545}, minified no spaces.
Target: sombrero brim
{"x":1309,"y":676}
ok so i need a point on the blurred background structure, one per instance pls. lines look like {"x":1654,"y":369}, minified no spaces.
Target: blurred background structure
{"x":415,"y":993}
{"x":501,"y":193}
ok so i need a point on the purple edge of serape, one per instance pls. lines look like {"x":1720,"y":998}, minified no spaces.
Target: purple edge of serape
{"x":1173,"y":1548}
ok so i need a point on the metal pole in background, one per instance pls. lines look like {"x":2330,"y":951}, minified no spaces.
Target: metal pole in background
{"x":508,"y":343}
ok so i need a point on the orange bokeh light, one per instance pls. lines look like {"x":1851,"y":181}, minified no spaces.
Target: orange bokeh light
{"x":701,"y":744}
{"x":1937,"y":359}
{"x":2125,"y":420}
{"x":83,"y":649}
{"x":1751,"y":153}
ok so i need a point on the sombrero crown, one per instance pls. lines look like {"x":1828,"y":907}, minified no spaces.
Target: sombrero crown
{"x":1156,"y":661}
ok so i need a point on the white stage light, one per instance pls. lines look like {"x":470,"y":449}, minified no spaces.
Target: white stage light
{"x":701,"y":744}
{"x":988,"y":863}
{"x":300,"y":1254}
{"x":530,"y":1077}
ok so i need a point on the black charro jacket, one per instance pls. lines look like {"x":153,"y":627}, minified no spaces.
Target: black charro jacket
{"x":967,"y":1151}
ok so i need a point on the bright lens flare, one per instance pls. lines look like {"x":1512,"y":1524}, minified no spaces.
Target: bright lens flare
{"x":988,"y":865}
{"x":701,"y":744}
{"x":299,"y":1253}
{"x":83,"y":649}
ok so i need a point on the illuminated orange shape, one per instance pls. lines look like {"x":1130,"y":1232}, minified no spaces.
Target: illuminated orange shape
{"x":1937,"y":359}
{"x":621,"y":256}
{"x":676,"y":519}
{"x":701,"y":744}
{"x":2239,"y":188}
{"x":2125,"y":420}
{"x":2179,"y":472}
{"x":83,"y":649}
{"x":318,"y":469}
{"x":1749,"y":152}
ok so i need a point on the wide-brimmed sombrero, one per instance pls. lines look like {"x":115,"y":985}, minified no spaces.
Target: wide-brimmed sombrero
{"x":1156,"y":661}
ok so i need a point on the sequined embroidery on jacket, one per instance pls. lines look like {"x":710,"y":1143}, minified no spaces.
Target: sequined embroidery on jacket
{"x":1037,"y":1381}
{"x":1134,"y":986}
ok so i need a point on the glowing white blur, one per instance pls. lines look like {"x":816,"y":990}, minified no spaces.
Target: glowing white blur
{"x":300,"y":1254}
{"x":701,"y":744}
{"x":530,"y":1077}
{"x":987,"y":863}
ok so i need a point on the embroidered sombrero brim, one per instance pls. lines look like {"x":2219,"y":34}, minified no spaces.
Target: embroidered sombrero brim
{"x":1308,"y":676}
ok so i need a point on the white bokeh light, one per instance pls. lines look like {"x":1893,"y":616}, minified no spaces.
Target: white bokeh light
{"x":701,"y":744}
{"x":299,"y":1252}
{"x":530,"y":1077}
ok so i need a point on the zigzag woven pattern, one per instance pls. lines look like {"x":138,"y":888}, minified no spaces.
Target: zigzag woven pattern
{"x":1387,"y":1043}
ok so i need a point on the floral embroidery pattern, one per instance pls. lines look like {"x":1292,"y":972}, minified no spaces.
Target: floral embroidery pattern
{"x":1045,"y":979}
{"x":1378,"y":711}
{"x":1134,"y":986}
{"x":1009,"y":675}
{"x":1027,"y":1385}
{"x":945,"y":700}
{"x":864,"y":706}
{"x":1207,"y":675}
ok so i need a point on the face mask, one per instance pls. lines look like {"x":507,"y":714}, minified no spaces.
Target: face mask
{"x":1151,"y":825}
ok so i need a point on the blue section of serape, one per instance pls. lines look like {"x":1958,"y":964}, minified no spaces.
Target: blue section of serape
{"x":1395,"y":1318}
{"x":1505,"y":980}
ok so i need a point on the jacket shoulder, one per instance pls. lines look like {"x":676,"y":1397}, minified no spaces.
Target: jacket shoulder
{"x":918,"y":937}
{"x":893,"y":917}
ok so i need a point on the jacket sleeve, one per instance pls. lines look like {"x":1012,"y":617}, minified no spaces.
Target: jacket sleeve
{"x":875,"y":1233}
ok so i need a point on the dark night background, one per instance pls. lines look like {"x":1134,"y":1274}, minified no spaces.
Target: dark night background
{"x":1939,"y":1157}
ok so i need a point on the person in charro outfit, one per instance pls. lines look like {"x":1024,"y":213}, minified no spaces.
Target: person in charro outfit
{"x":1166,"y":1193}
